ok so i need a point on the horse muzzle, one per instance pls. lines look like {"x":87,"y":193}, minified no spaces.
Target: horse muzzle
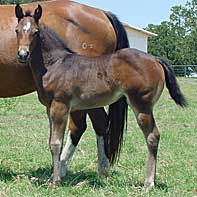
{"x":23,"y":56}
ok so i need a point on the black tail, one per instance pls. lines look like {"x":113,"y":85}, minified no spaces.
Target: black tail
{"x":118,"y":110}
{"x":172,"y":84}
{"x":121,"y":34}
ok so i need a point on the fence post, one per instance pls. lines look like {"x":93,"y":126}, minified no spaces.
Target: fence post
{"x":185,"y":71}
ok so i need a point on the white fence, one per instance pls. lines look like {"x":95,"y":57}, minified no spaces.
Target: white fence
{"x":185,"y":70}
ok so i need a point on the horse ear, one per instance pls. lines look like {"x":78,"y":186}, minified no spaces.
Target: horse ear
{"x":19,"y":12}
{"x":38,"y":13}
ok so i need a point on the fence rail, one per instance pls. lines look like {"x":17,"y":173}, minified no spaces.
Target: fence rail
{"x":185,"y":70}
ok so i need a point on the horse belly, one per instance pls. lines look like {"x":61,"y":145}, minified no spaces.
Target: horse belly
{"x":95,"y":100}
{"x":15,"y":80}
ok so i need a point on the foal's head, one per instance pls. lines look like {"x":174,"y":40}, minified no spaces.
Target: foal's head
{"x":27,"y":31}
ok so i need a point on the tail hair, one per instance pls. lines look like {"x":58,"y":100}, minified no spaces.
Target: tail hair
{"x":121,"y":34}
{"x":117,"y":124}
{"x":172,"y":84}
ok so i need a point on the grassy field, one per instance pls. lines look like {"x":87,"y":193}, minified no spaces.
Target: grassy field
{"x":25,"y":159}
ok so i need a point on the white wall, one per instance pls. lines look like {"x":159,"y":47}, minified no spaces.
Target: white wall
{"x":137,"y":39}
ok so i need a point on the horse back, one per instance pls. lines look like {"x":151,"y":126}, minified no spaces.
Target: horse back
{"x":139,"y":73}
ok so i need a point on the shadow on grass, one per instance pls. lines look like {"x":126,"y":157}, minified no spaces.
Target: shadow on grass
{"x":7,"y":175}
{"x":78,"y":179}
{"x":41,"y":177}
{"x":88,"y":178}
{"x":158,"y":186}
{"x":161,"y":186}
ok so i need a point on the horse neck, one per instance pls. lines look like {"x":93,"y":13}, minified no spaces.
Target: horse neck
{"x":44,"y":55}
{"x":37,"y":60}
{"x":51,"y":42}
{"x":38,"y":69}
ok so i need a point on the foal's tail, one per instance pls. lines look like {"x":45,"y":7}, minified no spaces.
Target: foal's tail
{"x":172,"y":84}
{"x":118,"y":110}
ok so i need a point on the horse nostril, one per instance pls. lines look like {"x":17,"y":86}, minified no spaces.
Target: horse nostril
{"x":23,"y":54}
{"x":27,"y":53}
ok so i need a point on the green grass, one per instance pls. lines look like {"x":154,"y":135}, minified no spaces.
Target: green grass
{"x":25,"y":159}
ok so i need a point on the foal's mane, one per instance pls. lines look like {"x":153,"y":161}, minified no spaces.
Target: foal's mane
{"x":51,"y":39}
{"x":27,"y":13}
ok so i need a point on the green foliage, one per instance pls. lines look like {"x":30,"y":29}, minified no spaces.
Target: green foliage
{"x":177,"y":38}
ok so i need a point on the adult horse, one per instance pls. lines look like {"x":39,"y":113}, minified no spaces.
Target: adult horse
{"x":68,"y":82}
{"x":87,"y":31}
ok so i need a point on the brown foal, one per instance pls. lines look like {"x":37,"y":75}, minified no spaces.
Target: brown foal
{"x":70,"y":20}
{"x":68,"y":82}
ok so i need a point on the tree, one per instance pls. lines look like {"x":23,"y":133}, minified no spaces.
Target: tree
{"x":177,"y":38}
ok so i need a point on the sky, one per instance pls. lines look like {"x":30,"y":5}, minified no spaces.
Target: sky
{"x":138,"y":13}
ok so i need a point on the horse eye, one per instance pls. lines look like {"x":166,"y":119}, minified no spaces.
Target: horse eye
{"x":16,"y":31}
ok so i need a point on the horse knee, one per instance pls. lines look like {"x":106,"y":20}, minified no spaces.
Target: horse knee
{"x":153,"y":140}
{"x":151,"y":133}
{"x":144,"y":120}
{"x":55,"y":148}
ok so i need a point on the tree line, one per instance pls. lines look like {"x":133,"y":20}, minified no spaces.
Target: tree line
{"x":177,"y":37}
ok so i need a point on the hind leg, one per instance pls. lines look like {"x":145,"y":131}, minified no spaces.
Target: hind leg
{"x":77,"y":126}
{"x":147,"y":124}
{"x":99,"y":121}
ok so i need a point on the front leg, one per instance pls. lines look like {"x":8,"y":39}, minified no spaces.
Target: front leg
{"x":58,"y":116}
{"x":77,"y":126}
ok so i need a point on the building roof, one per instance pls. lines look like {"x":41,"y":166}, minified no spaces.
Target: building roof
{"x":148,"y":33}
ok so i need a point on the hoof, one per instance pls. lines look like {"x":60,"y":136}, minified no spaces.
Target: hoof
{"x":103,"y":173}
{"x":103,"y":170}
{"x":148,"y":186}
{"x":54,"y":182}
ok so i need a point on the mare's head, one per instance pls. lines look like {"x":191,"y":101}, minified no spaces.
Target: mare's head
{"x":27,"y":31}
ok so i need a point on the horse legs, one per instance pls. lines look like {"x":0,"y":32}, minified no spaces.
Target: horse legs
{"x":58,"y":115}
{"x":77,"y":126}
{"x":100,"y":122}
{"x":147,"y":124}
